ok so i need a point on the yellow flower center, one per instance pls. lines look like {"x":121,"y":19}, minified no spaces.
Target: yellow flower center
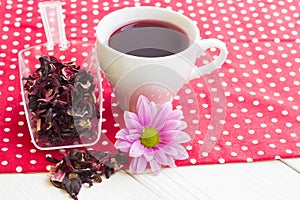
{"x":149,"y":137}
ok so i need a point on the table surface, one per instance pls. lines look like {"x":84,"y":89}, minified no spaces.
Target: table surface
{"x":274,"y":180}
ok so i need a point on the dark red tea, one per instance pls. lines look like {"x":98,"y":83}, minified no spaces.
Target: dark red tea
{"x":149,"y":38}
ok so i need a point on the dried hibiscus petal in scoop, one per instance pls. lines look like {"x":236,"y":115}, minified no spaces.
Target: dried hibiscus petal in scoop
{"x":79,"y":167}
{"x":62,"y":103}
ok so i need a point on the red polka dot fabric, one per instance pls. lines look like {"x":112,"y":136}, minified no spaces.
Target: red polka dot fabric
{"x":260,"y":78}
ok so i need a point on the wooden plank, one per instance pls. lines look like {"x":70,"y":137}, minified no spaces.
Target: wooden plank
{"x":261,"y":180}
{"x":172,"y":184}
{"x":37,"y":186}
{"x":294,"y":164}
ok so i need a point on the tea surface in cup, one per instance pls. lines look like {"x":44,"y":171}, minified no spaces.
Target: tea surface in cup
{"x":149,"y":38}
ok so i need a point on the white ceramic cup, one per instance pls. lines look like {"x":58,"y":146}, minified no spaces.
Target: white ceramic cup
{"x":158,"y":78}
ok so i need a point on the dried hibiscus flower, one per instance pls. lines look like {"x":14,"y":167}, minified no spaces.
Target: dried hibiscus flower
{"x":61,"y":98}
{"x":79,"y":167}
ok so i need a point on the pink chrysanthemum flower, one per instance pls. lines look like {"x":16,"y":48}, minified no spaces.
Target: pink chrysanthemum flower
{"x":153,"y":135}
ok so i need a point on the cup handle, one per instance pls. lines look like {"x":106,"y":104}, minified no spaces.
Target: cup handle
{"x":208,"y":68}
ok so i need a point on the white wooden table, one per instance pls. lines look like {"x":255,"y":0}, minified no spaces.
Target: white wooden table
{"x":270,"y":180}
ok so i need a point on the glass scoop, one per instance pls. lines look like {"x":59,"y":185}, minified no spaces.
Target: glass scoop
{"x":61,"y":87}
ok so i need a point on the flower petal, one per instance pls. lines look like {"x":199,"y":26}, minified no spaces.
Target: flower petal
{"x":168,"y":149}
{"x":141,"y":164}
{"x":162,"y":115}
{"x":171,"y":162}
{"x":135,"y":131}
{"x":172,"y":125}
{"x":133,"y":125}
{"x":121,"y":134}
{"x":133,"y":137}
{"x":161,"y":157}
{"x":142,"y":99}
{"x":155,"y":167}
{"x":176,"y":114}
{"x":136,"y":149}
{"x":123,"y":145}
{"x":132,"y":166}
{"x":149,"y":154}
{"x":182,"y":137}
{"x":181,"y":152}
{"x":183,"y":125}
{"x":167,"y":137}
{"x":144,"y":112}
{"x":138,"y":165}
{"x":132,"y":121}
{"x":130,"y":115}
{"x":153,"y":109}
{"x":183,"y":156}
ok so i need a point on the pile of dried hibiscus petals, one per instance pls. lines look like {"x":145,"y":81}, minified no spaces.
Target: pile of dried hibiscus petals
{"x":62,"y":102}
{"x":84,"y":166}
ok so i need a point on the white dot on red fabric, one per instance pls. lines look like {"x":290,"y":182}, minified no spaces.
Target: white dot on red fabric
{"x":19,"y":156}
{"x":48,"y":167}
{"x":200,"y":141}
{"x":32,"y":150}
{"x":33,"y":162}
{"x":289,"y":151}
{"x":261,"y":153}
{"x":244,"y":148}
{"x":234,"y":154}
{"x":221,"y":160}
{"x":4,"y":149}
{"x":4,"y":163}
{"x":193,"y":161}
{"x":19,"y":169}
